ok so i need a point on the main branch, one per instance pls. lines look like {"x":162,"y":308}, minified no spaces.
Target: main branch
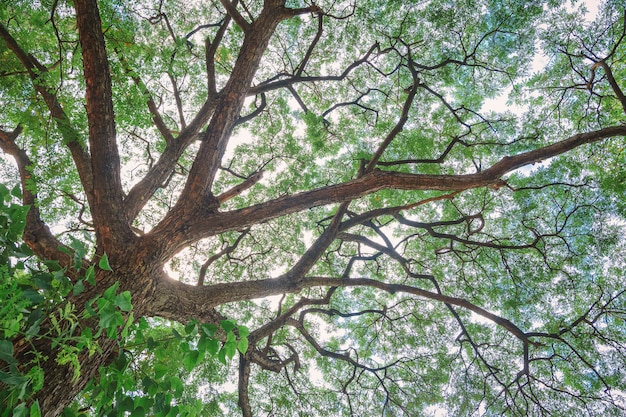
{"x":106,"y":208}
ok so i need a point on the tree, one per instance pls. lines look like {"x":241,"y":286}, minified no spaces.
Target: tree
{"x":321,"y":190}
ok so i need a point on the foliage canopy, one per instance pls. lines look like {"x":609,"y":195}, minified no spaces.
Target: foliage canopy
{"x":281,"y":208}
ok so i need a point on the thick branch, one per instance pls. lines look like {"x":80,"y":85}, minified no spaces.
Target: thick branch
{"x":244,"y":383}
{"x":169,"y":238}
{"x":240,"y":188}
{"x":109,"y":217}
{"x":611,"y":79}
{"x":208,"y":159}
{"x":209,"y":55}
{"x":176,"y":298}
{"x":36,"y":234}
{"x":231,"y":9}
{"x":139,"y":195}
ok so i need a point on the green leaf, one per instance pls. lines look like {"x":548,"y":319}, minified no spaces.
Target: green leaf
{"x":110,"y":319}
{"x":228,"y":325}
{"x":53,"y":265}
{"x":230,"y":349}
{"x":209,"y":329}
{"x":6,"y":352}
{"x":243,"y":331}
{"x":79,"y":287}
{"x":90,"y":275}
{"x":16,"y":192}
{"x":20,"y":410}
{"x":138,"y":412}
{"x":191,"y":328}
{"x":190,"y":360}
{"x":33,"y":296}
{"x":80,"y":250}
{"x":221,"y":356}
{"x":12,"y":379}
{"x":35,"y":411}
{"x":109,"y":293}
{"x":242,"y":345}
{"x":212,"y":346}
{"x":104,"y":263}
{"x":123,"y":301}
{"x":160,"y":370}
{"x":42,"y":280}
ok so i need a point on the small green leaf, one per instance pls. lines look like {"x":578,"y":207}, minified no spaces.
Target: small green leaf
{"x":33,"y":296}
{"x":6,"y":352}
{"x":221,"y":356}
{"x":90,"y":310}
{"x":79,"y":287}
{"x":191,"y":327}
{"x":209,"y":329}
{"x":16,"y":191}
{"x":177,"y":386}
{"x":90,"y":275}
{"x":122,"y":300}
{"x":43,"y":280}
{"x":138,"y":412}
{"x":243,"y":331}
{"x":242,"y":346}
{"x":212,"y":346}
{"x":109,"y":293}
{"x":191,"y":360}
{"x":104,"y":263}
{"x":20,"y":411}
{"x":227,"y":325}
{"x":110,"y":319}
{"x":12,"y":379}
{"x":35,"y":411}
{"x":230,"y":349}
{"x":33,"y":330}
{"x":54,"y":265}
{"x":160,"y":370}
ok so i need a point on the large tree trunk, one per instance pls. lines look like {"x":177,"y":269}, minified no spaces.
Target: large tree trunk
{"x":60,"y":387}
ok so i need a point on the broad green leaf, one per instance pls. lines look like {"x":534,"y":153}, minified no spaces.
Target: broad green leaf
{"x":242,"y":345}
{"x":6,"y":352}
{"x":123,"y":301}
{"x":104,"y":263}
{"x":227,"y":325}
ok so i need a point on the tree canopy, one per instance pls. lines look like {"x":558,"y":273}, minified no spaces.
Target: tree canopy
{"x":280,"y":208}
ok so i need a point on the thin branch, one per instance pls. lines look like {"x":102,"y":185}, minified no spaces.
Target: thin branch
{"x":227,"y":250}
{"x":210,"y":48}
{"x":270,"y":85}
{"x":395,"y":288}
{"x":179,"y":102}
{"x":307,"y":56}
{"x":154,"y":110}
